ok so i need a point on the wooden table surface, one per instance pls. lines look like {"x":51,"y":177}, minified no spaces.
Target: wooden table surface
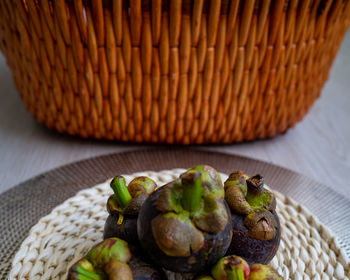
{"x":318,"y":147}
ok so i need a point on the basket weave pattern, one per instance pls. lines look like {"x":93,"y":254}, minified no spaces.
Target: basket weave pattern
{"x":171,"y":71}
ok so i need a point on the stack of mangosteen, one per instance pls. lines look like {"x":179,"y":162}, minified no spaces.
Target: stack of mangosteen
{"x":188,"y":226}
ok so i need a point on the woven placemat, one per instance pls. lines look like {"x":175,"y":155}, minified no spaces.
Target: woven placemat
{"x":308,"y":249}
{"x":22,"y":206}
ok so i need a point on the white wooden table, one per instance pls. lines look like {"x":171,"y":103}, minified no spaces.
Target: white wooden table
{"x":318,"y":147}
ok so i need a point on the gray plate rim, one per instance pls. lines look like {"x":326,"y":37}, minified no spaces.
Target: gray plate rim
{"x":24,"y":204}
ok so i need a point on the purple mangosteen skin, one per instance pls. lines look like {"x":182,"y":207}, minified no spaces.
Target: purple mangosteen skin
{"x":127,"y":230}
{"x":216,"y":244}
{"x":252,"y":250}
{"x":141,"y":268}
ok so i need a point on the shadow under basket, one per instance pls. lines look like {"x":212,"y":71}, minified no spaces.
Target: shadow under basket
{"x":171,"y":71}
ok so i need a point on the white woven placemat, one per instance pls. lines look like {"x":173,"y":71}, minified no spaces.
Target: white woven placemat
{"x":308,"y":249}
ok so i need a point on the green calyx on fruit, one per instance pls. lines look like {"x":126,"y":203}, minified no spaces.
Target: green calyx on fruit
{"x":111,"y":248}
{"x":129,"y":199}
{"x":176,"y":235}
{"x":210,"y":178}
{"x":261,"y":225}
{"x":259,"y":197}
{"x":107,"y":260}
{"x":235,"y":193}
{"x":236,"y":268}
{"x":263,"y":272}
{"x":247,"y":196}
{"x":190,"y":206}
{"x":141,"y":184}
{"x":231,"y":268}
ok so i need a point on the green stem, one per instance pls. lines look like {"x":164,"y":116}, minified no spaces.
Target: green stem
{"x":84,"y":274}
{"x":235,"y":274}
{"x":192,"y":193}
{"x":121,"y":191}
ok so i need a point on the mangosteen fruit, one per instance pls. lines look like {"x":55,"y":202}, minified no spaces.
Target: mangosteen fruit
{"x":124,"y":205}
{"x":231,"y":268}
{"x":113,"y":259}
{"x":185,"y":225}
{"x":255,"y":224}
{"x":236,"y":268}
{"x":263,"y":272}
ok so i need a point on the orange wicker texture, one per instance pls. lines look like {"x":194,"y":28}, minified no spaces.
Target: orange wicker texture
{"x":171,"y":71}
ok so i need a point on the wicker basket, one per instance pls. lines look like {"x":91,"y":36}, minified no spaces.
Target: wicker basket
{"x":171,"y":71}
